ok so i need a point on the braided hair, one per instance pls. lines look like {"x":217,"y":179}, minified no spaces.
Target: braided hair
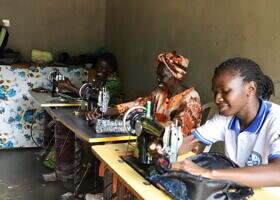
{"x":249,"y":71}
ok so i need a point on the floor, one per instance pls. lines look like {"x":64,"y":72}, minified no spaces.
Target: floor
{"x":20,"y":177}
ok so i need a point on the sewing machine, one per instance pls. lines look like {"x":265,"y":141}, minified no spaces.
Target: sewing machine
{"x":97,"y":97}
{"x":148,"y":130}
{"x":60,"y":96}
{"x":53,"y":77}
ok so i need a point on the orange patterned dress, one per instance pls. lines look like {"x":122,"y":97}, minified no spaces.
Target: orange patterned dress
{"x":184,"y":107}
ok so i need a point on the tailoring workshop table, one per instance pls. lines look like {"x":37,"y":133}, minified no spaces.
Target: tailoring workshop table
{"x":64,"y":113}
{"x":134,"y":182}
{"x":79,"y":126}
{"x":45,"y":100}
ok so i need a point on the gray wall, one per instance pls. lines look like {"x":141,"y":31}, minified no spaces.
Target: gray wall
{"x":76,"y":26}
{"x":205,"y":31}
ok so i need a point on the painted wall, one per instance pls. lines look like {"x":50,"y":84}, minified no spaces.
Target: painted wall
{"x":207,"y":32}
{"x":65,"y":25}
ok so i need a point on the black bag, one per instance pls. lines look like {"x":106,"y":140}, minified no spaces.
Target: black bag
{"x":4,"y":35}
{"x":8,"y":57}
{"x":200,"y":188}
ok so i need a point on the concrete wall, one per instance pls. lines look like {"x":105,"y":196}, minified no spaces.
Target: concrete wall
{"x":76,"y":26}
{"x":205,"y":31}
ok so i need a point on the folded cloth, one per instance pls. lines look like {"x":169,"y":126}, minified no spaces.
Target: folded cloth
{"x":41,"y":57}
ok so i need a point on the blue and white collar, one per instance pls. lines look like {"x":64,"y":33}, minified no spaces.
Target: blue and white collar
{"x":256,"y":124}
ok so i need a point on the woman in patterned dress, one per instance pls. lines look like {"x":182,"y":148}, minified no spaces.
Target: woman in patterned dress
{"x":64,"y":160}
{"x":171,"y":101}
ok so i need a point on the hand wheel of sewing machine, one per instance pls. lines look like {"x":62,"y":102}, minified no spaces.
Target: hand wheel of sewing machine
{"x":86,"y":93}
{"x":55,"y":75}
{"x":130,"y":119}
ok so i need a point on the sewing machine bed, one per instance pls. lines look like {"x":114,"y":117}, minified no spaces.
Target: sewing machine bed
{"x":143,"y":170}
{"x":71,"y":94}
{"x":65,"y":97}
{"x":139,"y":167}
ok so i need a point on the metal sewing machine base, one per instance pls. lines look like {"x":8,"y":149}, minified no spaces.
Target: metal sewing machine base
{"x":71,"y":196}
{"x":142,"y":169}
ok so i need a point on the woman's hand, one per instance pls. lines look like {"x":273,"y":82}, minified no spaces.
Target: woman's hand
{"x":93,"y":114}
{"x":189,"y":143}
{"x":192,"y":168}
{"x":64,"y":84}
{"x":156,"y":147}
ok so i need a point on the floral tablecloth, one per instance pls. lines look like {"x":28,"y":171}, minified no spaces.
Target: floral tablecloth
{"x":18,"y":109}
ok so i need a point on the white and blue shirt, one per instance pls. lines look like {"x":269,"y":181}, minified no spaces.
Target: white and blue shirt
{"x":258,"y":144}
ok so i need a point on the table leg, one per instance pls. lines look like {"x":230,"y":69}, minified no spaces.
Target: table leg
{"x":77,"y":164}
{"x":65,"y":152}
{"x":48,"y":137}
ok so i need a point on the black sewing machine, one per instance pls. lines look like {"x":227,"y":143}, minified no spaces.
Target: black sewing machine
{"x":148,"y":130}
{"x":97,"y":98}
{"x":96,"y":95}
{"x":60,"y":96}
{"x":53,"y":77}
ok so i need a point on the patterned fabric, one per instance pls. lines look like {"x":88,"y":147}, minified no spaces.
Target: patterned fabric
{"x":174,"y":187}
{"x":113,"y":85}
{"x":17,"y":108}
{"x":176,"y":64}
{"x":49,"y":160}
{"x":184,"y":107}
{"x":116,"y":94}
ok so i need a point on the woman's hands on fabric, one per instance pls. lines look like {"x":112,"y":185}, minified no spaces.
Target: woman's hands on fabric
{"x":192,"y":168}
{"x":93,"y":114}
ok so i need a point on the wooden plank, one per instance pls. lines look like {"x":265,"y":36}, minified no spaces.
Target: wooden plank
{"x":109,"y":154}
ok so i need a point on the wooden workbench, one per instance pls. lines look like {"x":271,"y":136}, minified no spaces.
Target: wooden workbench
{"x":109,"y":154}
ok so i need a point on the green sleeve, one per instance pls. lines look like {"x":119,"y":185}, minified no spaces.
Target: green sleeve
{"x":116,"y":94}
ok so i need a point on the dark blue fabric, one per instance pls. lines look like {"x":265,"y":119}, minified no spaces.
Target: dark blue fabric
{"x":176,"y":188}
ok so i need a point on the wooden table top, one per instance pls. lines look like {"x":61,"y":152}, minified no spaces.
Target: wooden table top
{"x":109,"y":154}
{"x":46,"y":100}
{"x":80,"y":127}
